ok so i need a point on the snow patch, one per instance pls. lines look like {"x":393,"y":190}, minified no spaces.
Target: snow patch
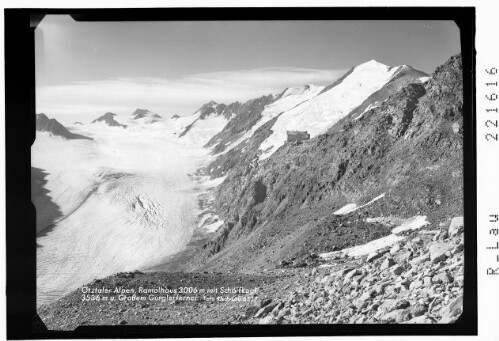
{"x":412,"y":223}
{"x":372,"y":246}
{"x":212,"y":183}
{"x":349,"y":208}
{"x":214,"y":227}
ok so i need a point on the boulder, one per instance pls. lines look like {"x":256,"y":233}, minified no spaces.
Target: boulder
{"x":416,"y":284}
{"x":443,"y":277}
{"x":417,"y":241}
{"x":438,"y":252}
{"x":373,"y":256}
{"x":265,"y":310}
{"x":456,"y":226}
{"x":266,"y":320}
{"x":397,"y":270}
{"x":423,"y":319}
{"x":419,"y":310}
{"x":395,"y":248}
{"x":342,"y":272}
{"x":421,"y":259}
{"x":399,"y":304}
{"x":348,"y":276}
{"x":398,"y":316}
{"x":387,"y":263}
{"x":452,"y":311}
{"x":404,"y":256}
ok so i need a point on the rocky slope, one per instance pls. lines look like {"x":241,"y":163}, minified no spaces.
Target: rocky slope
{"x":51,"y":125}
{"x":108,"y":118}
{"x":417,"y":280}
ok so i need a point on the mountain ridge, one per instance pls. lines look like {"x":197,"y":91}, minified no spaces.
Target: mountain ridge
{"x":51,"y":125}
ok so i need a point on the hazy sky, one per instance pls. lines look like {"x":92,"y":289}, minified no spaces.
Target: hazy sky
{"x":84,"y":69}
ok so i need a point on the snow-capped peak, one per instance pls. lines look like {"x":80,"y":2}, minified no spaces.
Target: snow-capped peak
{"x":371,"y":64}
{"x":317,"y":114}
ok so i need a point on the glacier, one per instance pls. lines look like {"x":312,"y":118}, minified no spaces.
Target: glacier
{"x":127,"y":201}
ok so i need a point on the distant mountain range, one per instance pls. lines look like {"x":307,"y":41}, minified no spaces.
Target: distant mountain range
{"x":139,"y":115}
{"x":51,"y":125}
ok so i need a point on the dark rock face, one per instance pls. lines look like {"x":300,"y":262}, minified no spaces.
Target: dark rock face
{"x":406,"y":147}
{"x":245,"y":117}
{"x":187,"y":129}
{"x":51,"y":125}
{"x":174,"y":117}
{"x":213,"y":107}
{"x":241,"y":118}
{"x":47,"y":212}
{"x":108,"y":118}
{"x":404,"y":76}
{"x":78,"y":123}
{"x":140,"y":113}
{"x":260,"y":192}
{"x":244,"y":156}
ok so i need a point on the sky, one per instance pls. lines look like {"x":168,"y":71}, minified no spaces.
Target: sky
{"x":84,"y":69}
